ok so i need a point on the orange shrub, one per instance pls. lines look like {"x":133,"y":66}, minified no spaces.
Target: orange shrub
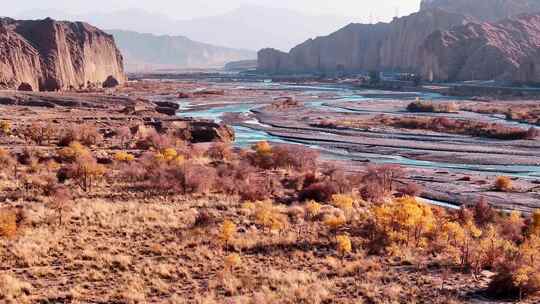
{"x":335,"y":222}
{"x":263,"y":148}
{"x":344,"y":245}
{"x":232,"y":260}
{"x":5,"y":128}
{"x":503,"y":183}
{"x":8,"y":223}
{"x":228,"y":231}
{"x":404,"y":222}
{"x":342,"y":201}
{"x":124,"y":157}
{"x":73,"y":151}
{"x":518,"y":274}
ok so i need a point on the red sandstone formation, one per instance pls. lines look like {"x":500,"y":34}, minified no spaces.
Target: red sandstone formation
{"x":356,"y":47}
{"x":485,"y":10}
{"x":49,"y":55}
{"x":439,"y":42}
{"x":505,"y":50}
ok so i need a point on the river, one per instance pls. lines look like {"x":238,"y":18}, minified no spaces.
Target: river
{"x":246,"y":136}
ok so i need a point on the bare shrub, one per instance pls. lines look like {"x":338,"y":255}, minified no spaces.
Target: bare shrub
{"x":259,"y":188}
{"x":124,"y":135}
{"x":132,"y":172}
{"x":87,"y":134}
{"x":410,"y":189}
{"x":40,"y":132}
{"x":166,"y":179}
{"x":153,"y":139}
{"x":483,"y":213}
{"x":220,"y":151}
{"x":60,"y":202}
{"x":379,"y":181}
{"x":199,"y":179}
{"x":85,"y":171}
{"x":7,"y":161}
{"x":295,"y":157}
{"x":462,"y":126}
{"x":343,"y":182}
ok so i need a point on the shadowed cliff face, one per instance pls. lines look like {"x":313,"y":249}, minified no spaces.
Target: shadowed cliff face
{"x":51,"y":55}
{"x":360,"y":47}
{"x":484,"y":10}
{"x":504,"y":50}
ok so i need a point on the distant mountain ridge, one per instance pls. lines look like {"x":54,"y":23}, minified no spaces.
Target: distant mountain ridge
{"x":247,"y":27}
{"x":143,"y":52}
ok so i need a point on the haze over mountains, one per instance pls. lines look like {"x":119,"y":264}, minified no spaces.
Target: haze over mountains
{"x":151,"y":41}
{"x":247,"y":27}
{"x":143,"y":52}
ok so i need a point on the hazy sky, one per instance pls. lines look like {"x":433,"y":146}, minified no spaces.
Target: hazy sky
{"x":381,"y":10}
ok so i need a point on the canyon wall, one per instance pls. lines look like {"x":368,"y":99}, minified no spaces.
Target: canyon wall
{"x":360,"y":47}
{"x":505,"y":50}
{"x":446,"y":40}
{"x":484,"y":10}
{"x":49,"y":55}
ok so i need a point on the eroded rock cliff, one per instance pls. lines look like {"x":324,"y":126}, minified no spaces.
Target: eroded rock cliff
{"x":50,"y":55}
{"x":504,"y":50}
{"x":357,"y":47}
{"x":484,"y":10}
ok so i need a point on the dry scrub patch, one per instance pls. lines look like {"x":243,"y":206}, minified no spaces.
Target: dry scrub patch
{"x":144,"y":216}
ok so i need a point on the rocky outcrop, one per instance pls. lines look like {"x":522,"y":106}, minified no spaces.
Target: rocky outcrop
{"x":484,"y":10}
{"x":200,"y":131}
{"x":361,"y":47}
{"x":505,"y":50}
{"x":50,"y":55}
